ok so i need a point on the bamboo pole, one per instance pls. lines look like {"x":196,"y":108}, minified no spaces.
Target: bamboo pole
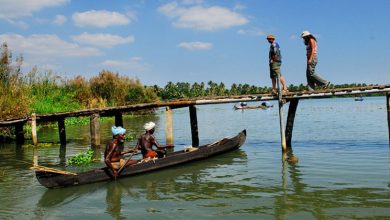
{"x":388,"y":113}
{"x":168,"y":125}
{"x":51,"y":170}
{"x":61,"y":131}
{"x":19,"y":133}
{"x":290,"y":121}
{"x":35,"y":157}
{"x":95,"y":130}
{"x":194,"y":126}
{"x":282,"y":134}
{"x":34,"y":129}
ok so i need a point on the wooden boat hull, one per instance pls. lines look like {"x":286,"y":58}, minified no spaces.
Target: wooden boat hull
{"x":56,"y":180}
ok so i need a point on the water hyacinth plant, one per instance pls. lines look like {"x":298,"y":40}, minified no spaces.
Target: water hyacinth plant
{"x":82,"y":158}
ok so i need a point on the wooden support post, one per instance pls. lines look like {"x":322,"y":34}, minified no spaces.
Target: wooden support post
{"x":290,"y":121}
{"x":62,"y":155}
{"x":35,"y":157}
{"x":388,"y":113}
{"x":282,"y":135}
{"x":34,"y":129}
{"x":19,"y":133}
{"x":118,"y":119}
{"x":95,"y":130}
{"x":61,"y":131}
{"x":168,"y":125}
{"x":194,"y":126}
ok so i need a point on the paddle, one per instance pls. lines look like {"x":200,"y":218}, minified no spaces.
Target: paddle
{"x":134,"y":152}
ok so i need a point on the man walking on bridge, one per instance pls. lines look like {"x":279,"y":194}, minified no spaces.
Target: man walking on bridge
{"x":313,"y":79}
{"x":275,"y":61}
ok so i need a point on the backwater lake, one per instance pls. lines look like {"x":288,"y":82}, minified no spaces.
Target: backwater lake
{"x":343,"y":170}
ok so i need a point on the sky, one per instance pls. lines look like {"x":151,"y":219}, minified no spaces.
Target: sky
{"x":158,"y":41}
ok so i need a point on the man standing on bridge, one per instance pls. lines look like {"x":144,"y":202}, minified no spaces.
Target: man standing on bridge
{"x":275,"y":61}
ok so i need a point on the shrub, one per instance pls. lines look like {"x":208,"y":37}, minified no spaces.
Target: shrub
{"x":82,"y":158}
{"x":109,"y":86}
{"x":14,"y":102}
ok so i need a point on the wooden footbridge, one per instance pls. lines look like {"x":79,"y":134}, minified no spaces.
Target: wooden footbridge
{"x":117,"y":112}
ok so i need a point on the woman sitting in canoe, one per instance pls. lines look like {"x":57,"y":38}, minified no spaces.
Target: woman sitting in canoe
{"x":146,"y":142}
{"x":113,"y":155}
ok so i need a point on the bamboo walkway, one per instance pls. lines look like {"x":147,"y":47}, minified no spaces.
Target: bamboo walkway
{"x":94,"y":114}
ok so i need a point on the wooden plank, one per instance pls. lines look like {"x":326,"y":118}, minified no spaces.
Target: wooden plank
{"x":194,"y":126}
{"x":61,"y":131}
{"x":95,"y":130}
{"x":290,"y":121}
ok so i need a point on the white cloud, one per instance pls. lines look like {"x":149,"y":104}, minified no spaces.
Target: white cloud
{"x":47,"y":46}
{"x":251,"y":32}
{"x":202,"y":18}
{"x":102,"y":40}
{"x":239,"y":6}
{"x":19,"y":24}
{"x":133,"y":64}
{"x":59,"y":20}
{"x":191,"y":2}
{"x":197,"y":45}
{"x":11,"y":9}
{"x":99,"y":19}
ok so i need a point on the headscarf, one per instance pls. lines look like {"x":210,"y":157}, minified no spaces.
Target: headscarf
{"x":149,"y":126}
{"x":117,"y":130}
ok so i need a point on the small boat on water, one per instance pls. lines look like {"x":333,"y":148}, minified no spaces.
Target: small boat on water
{"x":359,"y":98}
{"x":56,"y":180}
{"x":243,"y":106}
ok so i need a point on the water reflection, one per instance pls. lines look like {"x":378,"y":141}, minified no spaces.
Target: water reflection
{"x":62,"y":155}
{"x":113,"y":199}
{"x":188,"y":181}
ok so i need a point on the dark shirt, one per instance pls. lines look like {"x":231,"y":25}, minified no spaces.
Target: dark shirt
{"x":274,"y":53}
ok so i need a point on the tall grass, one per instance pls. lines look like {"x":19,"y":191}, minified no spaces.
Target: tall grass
{"x":49,"y":93}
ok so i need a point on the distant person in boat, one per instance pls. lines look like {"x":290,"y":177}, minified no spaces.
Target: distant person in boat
{"x":243,"y":104}
{"x":275,"y":61}
{"x":266,"y":104}
{"x":114,"y":153}
{"x":146,"y":142}
{"x":313,"y":79}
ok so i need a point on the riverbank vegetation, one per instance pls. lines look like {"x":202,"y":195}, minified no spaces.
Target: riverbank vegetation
{"x":37,"y":92}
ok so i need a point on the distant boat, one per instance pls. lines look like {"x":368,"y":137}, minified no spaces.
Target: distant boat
{"x":359,"y":98}
{"x":243,"y":106}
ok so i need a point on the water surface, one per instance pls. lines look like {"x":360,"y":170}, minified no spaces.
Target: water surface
{"x":343,"y":170}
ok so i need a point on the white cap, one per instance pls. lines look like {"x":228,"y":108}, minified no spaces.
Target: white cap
{"x":305,"y":33}
{"x":149,"y":126}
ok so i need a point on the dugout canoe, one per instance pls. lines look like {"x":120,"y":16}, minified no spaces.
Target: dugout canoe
{"x":58,"y":180}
